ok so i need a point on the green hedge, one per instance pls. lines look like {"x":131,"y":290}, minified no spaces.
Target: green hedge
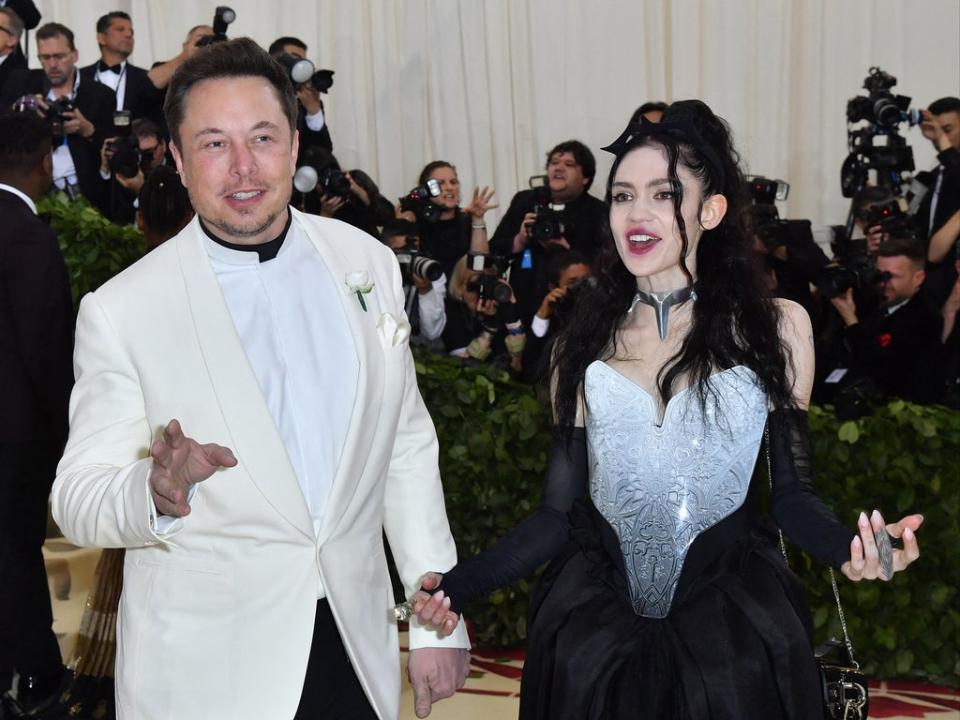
{"x":94,"y":248}
{"x":494,"y":435}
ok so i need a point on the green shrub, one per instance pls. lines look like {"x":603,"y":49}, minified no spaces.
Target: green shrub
{"x":94,"y":248}
{"x":494,"y":435}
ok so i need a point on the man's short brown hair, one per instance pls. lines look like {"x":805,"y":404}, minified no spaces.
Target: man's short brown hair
{"x":908,"y":247}
{"x":52,"y":30}
{"x":230,"y":59}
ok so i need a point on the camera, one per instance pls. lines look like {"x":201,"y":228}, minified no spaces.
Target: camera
{"x":549,"y":221}
{"x":301,"y":71}
{"x":126,"y":156}
{"x":54,"y":114}
{"x":418,"y":201}
{"x":331,"y":181}
{"x":854,"y":269}
{"x":890,"y":215}
{"x":764,"y":193}
{"x":222,"y":17}
{"x":414,"y":264}
{"x":488,"y":286}
{"x":878,"y":146}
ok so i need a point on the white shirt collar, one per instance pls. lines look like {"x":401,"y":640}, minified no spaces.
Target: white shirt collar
{"x":20,"y":194}
{"x":893,"y":308}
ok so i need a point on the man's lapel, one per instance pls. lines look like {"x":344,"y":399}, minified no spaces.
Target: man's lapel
{"x":256,"y":441}
{"x":366,"y":407}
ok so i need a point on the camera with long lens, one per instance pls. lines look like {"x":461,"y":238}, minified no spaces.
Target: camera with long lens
{"x":126,"y":157}
{"x":767,"y":224}
{"x":222,"y":17}
{"x":414,"y":263}
{"x":301,"y":71}
{"x":331,"y":181}
{"x":877,"y":146}
{"x":485,"y":283}
{"x":548,"y":223}
{"x":419,"y":201}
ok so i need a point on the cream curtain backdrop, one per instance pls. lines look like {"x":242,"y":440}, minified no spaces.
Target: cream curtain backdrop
{"x":490,"y":85}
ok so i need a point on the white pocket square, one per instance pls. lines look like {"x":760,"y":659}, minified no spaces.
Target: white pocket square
{"x":393,"y":331}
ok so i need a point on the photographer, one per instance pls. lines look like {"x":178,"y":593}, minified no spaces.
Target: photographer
{"x":125,"y":163}
{"x":894,"y":347}
{"x":163,"y":206}
{"x":311,"y":120}
{"x":424,"y":283}
{"x":447,"y":231}
{"x":483,"y":321}
{"x":566,"y":273}
{"x":131,"y":84}
{"x":352,"y":197}
{"x":79,"y":113}
{"x":569,"y":219}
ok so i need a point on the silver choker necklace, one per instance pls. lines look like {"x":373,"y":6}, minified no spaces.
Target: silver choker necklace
{"x":661,"y":302}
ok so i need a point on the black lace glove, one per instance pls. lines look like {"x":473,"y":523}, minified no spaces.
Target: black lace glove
{"x":802,"y":516}
{"x":535,"y":540}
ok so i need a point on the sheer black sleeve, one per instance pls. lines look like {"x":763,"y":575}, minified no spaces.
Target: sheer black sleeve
{"x":802,"y":516}
{"x":535,"y":540}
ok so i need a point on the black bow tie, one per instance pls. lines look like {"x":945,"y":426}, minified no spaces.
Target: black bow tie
{"x":109,"y":68}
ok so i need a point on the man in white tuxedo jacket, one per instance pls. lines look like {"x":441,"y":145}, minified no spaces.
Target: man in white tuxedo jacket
{"x":255,"y":583}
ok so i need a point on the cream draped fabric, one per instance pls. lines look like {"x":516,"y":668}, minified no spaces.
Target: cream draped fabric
{"x":490,"y":85}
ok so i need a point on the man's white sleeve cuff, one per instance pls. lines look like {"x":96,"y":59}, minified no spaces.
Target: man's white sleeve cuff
{"x":540,"y":326}
{"x":421,"y":637}
{"x":315,"y":122}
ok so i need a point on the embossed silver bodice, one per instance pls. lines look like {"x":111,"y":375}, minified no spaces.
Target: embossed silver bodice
{"x":659,"y":486}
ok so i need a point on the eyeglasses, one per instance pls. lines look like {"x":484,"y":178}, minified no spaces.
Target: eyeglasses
{"x":56,"y":57}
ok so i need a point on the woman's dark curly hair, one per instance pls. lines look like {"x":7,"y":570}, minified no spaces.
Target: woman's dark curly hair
{"x":735,"y":321}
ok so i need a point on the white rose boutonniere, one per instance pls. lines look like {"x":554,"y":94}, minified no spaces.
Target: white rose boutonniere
{"x":359,"y":283}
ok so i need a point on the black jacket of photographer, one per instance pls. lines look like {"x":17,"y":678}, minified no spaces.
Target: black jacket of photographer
{"x":583,"y":221}
{"x":446,"y":241}
{"x":941,"y":275}
{"x":899,"y":351}
{"x":141,"y":97}
{"x":15,"y":61}
{"x":97,"y":103}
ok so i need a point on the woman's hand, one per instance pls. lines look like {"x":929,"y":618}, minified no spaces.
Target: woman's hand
{"x":480,"y":203}
{"x":865,"y":561}
{"x":433,"y":611}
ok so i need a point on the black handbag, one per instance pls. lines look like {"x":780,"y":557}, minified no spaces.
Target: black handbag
{"x":843,"y":686}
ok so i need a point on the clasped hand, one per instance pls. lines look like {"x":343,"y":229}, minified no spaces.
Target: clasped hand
{"x":179,"y":462}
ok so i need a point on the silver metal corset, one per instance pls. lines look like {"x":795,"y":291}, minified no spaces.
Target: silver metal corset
{"x":659,"y":486}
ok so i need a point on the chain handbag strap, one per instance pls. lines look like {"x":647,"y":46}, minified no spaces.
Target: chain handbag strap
{"x":783,"y":550}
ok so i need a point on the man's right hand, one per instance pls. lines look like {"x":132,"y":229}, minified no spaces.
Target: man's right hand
{"x":309,"y":97}
{"x":106,"y":152}
{"x":522,"y":237}
{"x":179,"y":462}
{"x":546,"y":307}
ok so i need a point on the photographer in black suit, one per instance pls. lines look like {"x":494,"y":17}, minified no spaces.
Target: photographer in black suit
{"x":36,"y":375}
{"x":133,"y":89}
{"x":894,"y":347}
{"x":576,"y":225}
{"x":80,"y":112}
{"x":311,"y":120}
{"x":11,"y":58}
{"x":125,"y":164}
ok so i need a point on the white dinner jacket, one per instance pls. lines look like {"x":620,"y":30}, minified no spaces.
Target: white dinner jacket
{"x":216,"y":615}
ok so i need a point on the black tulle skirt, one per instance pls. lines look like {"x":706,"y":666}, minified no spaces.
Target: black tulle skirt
{"x":736,"y":644}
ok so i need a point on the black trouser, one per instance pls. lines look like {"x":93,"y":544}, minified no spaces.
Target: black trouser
{"x":331,"y":690}
{"x":27,"y":643}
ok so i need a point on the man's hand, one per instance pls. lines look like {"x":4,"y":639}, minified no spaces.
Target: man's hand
{"x":522,"y":237}
{"x":846,"y":307}
{"x":875,"y":237}
{"x":933,"y":131}
{"x":358,"y":192}
{"x":421,"y":283}
{"x":436,"y":673}
{"x":106,"y":152}
{"x":330,"y":204}
{"x":179,"y":463}
{"x":77,"y":124}
{"x":133,"y":184}
{"x":546,"y":307}
{"x":309,"y":97}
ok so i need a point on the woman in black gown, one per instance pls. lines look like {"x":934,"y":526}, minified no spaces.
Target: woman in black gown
{"x":666,"y":596}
